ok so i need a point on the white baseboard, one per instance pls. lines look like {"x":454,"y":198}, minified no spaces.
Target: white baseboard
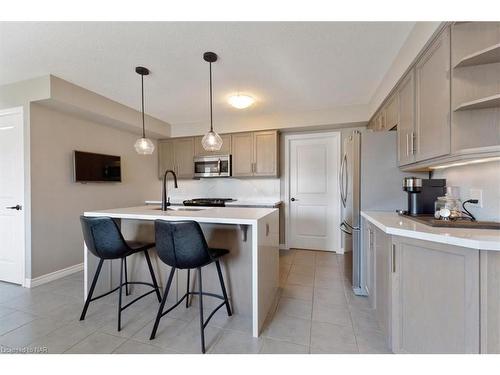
{"x":341,"y":251}
{"x":31,"y":283}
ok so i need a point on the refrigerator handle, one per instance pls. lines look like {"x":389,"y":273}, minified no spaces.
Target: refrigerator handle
{"x":343,"y":197}
{"x":346,"y":171}
{"x":344,"y":229}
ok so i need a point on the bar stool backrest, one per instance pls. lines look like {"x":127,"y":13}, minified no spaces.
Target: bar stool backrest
{"x":103,"y":237}
{"x":181,"y":244}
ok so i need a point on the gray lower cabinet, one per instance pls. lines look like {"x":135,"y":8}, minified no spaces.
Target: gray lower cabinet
{"x":383,"y":281}
{"x":435,"y":298}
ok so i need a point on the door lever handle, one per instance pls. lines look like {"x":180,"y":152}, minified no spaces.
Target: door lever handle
{"x":16,"y":207}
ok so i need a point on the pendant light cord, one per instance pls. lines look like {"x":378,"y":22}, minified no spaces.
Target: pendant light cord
{"x":211,"y":118}
{"x":142,"y":90}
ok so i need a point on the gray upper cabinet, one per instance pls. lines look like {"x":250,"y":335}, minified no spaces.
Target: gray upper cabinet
{"x":176,"y":154}
{"x":266,"y":153}
{"x":406,"y":102}
{"x":435,"y":298}
{"x":184,"y":154}
{"x":225,"y":149}
{"x":255,"y":154}
{"x":242,"y":151}
{"x":433,"y":105}
{"x":165,"y":156}
{"x":392,"y":113}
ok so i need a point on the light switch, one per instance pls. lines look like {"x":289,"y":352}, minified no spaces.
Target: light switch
{"x":476,"y":194}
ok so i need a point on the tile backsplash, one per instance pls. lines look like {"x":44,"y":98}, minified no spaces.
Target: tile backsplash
{"x":251,"y":188}
{"x":485,"y":177}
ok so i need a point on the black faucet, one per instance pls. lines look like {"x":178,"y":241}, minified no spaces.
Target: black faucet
{"x":164,"y":201}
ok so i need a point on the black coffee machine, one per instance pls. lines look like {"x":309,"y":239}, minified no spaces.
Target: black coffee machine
{"x":422,"y":193}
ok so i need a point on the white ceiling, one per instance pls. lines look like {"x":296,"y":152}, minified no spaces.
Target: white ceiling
{"x":288,"y":67}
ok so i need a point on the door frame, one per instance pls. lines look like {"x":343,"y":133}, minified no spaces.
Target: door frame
{"x":27,"y":230}
{"x":286,"y":178}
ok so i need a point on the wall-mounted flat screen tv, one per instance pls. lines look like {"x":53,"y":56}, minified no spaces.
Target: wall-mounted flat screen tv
{"x":89,"y":167}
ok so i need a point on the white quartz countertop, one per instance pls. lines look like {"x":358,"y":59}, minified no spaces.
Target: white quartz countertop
{"x":392,"y":223}
{"x":263,"y":203}
{"x":214,"y":215}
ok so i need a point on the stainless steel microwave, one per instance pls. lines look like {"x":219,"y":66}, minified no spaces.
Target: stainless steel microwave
{"x":212,"y":166}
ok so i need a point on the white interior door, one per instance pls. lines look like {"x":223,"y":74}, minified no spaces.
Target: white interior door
{"x":11,"y":196}
{"x":314,"y":204}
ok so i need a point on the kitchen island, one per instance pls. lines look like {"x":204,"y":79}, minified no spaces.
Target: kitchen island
{"x":251,"y":270}
{"x":433,"y":289}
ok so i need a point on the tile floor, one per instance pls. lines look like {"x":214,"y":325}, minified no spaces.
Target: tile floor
{"x":316,"y":312}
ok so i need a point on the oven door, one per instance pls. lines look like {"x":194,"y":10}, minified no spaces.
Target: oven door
{"x":212,"y":166}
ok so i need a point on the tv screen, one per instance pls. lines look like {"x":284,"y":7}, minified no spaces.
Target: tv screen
{"x":91,"y":167}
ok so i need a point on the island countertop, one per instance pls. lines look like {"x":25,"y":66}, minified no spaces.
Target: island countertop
{"x":215,"y":215}
{"x":392,"y":223}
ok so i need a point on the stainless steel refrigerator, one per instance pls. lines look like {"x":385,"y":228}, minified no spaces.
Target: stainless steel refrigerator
{"x":369,"y":180}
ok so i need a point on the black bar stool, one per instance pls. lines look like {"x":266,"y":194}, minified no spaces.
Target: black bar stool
{"x":182,"y":245}
{"x":105,"y":240}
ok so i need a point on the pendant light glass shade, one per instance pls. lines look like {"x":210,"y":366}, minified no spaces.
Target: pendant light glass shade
{"x":143,"y":146}
{"x":211,"y":141}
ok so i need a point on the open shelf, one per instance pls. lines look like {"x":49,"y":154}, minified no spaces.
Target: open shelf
{"x":488,"y":55}
{"x":488,"y":102}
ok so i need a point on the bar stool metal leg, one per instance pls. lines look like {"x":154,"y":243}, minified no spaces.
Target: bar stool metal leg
{"x":187,"y":290}
{"x":201,"y":311}
{"x":223,"y":287}
{"x":120,"y":295}
{"x":153,"y":278}
{"x":126,"y":277}
{"x":91,"y":291}
{"x":162,"y":304}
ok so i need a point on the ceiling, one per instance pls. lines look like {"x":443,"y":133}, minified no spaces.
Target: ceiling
{"x":289,"y":67}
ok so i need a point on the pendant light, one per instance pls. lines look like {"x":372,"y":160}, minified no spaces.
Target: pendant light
{"x":211,"y":141}
{"x":143,"y":146}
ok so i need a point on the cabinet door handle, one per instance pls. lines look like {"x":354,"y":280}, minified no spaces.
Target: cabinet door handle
{"x":413,"y":143}
{"x":393,"y":258}
{"x":407,"y":145}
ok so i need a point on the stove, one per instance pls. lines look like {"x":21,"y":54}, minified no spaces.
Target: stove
{"x":208,"y":202}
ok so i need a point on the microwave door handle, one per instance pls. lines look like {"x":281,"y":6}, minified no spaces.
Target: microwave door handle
{"x":219,"y":166}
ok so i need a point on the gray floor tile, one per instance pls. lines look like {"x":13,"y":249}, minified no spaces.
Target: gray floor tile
{"x":63,"y":338}
{"x":136,"y":347}
{"x":15,"y":320}
{"x":29,"y":332}
{"x":166,"y":335}
{"x":4,"y":311}
{"x":332,"y":314}
{"x":302,"y":269}
{"x":300,"y":279}
{"x":332,"y":338}
{"x":271,"y":346}
{"x":232,"y":342}
{"x":288,"y":328}
{"x":97,"y":343}
{"x":330,"y":297}
{"x":40,"y":303}
{"x":295,"y":307}
{"x":298,"y":292}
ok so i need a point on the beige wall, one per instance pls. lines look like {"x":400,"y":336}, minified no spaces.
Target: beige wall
{"x":57,"y":202}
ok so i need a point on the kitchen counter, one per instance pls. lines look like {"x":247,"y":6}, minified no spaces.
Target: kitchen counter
{"x":258,"y":203}
{"x":251,"y":268}
{"x":394,"y":224}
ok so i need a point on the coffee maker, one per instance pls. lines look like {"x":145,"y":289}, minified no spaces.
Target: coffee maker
{"x":422,"y":193}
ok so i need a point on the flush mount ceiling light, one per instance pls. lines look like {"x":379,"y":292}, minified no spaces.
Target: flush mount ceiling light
{"x":241,"y":101}
{"x":211,"y":141}
{"x":143,"y":146}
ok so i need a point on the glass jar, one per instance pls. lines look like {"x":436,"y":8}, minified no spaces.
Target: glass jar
{"x":447,"y":208}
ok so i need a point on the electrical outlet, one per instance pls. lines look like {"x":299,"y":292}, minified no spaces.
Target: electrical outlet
{"x":476,"y":194}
